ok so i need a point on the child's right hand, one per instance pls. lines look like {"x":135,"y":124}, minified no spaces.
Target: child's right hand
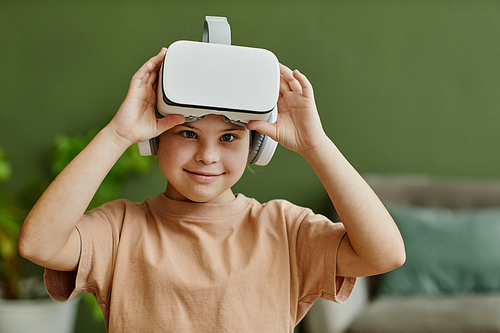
{"x":135,"y":120}
{"x":48,"y":236}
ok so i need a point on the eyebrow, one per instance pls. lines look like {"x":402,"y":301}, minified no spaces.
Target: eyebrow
{"x":231,"y":127}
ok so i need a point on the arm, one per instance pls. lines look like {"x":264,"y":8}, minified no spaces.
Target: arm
{"x":48,"y":236}
{"x":373,"y":244}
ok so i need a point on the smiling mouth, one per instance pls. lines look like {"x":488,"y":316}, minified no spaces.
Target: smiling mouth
{"x":203,"y":176}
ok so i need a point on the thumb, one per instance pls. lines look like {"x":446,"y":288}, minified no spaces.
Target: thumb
{"x":169,"y":121}
{"x":263,"y":127}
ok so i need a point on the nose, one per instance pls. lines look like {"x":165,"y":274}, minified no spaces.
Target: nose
{"x":207,"y":152}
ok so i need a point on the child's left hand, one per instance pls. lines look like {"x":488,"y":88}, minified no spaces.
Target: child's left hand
{"x":373,"y":244}
{"x":298,"y":126}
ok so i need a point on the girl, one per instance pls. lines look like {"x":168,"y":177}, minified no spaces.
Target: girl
{"x":198,"y":258}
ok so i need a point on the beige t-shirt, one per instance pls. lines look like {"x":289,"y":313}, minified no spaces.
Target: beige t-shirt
{"x":173,"y":266}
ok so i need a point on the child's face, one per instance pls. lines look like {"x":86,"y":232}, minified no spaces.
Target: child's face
{"x":203,"y":159}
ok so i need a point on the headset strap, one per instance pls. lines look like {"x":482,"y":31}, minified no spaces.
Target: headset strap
{"x":216,"y":29}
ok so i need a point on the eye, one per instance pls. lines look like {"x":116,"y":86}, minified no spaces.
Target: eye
{"x":227,"y":137}
{"x":188,"y":134}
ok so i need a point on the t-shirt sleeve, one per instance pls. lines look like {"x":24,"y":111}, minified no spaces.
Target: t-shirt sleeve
{"x":98,"y":243}
{"x":317,"y":243}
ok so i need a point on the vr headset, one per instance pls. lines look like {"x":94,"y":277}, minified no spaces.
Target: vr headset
{"x":214,"y":77}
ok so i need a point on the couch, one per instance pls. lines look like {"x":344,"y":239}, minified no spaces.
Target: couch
{"x":451,"y":279}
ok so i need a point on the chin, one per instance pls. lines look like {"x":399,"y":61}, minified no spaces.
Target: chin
{"x":211,"y":197}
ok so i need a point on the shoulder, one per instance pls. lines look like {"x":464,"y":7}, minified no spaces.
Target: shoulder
{"x":117,"y":208}
{"x":286,"y":208}
{"x":298,"y":220}
{"x":112,"y":214}
{"x":283,"y":210}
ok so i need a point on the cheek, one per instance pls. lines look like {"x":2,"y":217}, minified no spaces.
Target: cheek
{"x":170,"y":154}
{"x":238,"y":158}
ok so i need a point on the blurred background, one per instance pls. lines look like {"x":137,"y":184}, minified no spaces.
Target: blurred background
{"x":401,"y":86}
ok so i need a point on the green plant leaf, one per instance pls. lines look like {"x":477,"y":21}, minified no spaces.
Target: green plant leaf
{"x":67,"y":147}
{"x":5,"y":167}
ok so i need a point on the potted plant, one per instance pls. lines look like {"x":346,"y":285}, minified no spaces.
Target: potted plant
{"x":24,"y":303}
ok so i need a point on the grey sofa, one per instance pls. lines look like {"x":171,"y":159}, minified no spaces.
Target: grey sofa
{"x":451,"y":279}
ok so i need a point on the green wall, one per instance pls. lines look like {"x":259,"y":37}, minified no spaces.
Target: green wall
{"x":401,"y":86}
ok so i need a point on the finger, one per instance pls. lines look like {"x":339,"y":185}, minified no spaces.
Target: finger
{"x":155,"y":86}
{"x":287,"y":75}
{"x":143,"y":75}
{"x":284,"y":69}
{"x":158,"y":60}
{"x":307,"y":89}
{"x":151,"y":79}
{"x":263,"y":127}
{"x":284,"y":86}
{"x":169,"y":121}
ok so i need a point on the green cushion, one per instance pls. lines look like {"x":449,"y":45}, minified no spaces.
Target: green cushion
{"x":448,"y":251}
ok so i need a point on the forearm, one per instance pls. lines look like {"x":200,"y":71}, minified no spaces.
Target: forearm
{"x":373,"y":238}
{"x":373,"y":243}
{"x":51,"y":221}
